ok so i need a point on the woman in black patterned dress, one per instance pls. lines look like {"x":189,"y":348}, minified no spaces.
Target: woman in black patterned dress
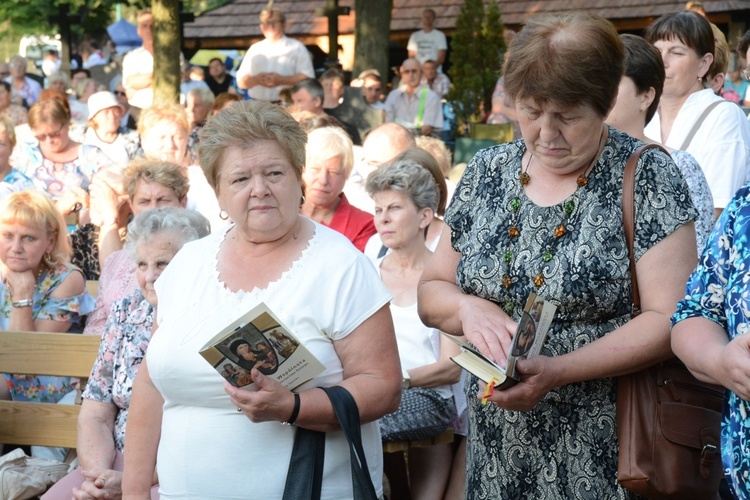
{"x":543,"y":214}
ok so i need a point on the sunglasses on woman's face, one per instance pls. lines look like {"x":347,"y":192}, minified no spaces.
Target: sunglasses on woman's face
{"x":51,"y":135}
{"x":119,"y":92}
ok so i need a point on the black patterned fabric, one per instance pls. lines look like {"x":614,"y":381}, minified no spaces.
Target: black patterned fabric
{"x":566,"y":447}
{"x":422,"y":414}
{"x":86,"y":250}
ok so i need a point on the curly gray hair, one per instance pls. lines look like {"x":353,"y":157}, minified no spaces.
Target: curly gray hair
{"x":409,"y":177}
{"x":186,"y":225}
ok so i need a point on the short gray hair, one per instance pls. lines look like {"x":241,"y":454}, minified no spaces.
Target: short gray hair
{"x":204,"y":94}
{"x":330,"y":142}
{"x":406,"y":176}
{"x":186,"y":225}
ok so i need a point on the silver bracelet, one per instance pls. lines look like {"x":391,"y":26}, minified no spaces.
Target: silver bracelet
{"x":23,"y":303}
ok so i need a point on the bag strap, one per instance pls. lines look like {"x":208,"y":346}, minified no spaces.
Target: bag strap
{"x":628,"y":215}
{"x":304,"y":479}
{"x":348,"y":414}
{"x":698,"y":124}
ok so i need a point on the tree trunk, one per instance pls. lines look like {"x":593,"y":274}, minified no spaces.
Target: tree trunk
{"x":372,"y":31}
{"x":167,"y":43}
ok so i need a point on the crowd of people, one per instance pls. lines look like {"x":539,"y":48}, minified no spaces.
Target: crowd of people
{"x":260,"y":187}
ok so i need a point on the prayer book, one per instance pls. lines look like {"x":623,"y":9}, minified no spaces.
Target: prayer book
{"x":527,"y":342}
{"x":258,"y":339}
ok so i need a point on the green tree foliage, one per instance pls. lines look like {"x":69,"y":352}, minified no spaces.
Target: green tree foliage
{"x":477,"y":47}
{"x":31,"y":17}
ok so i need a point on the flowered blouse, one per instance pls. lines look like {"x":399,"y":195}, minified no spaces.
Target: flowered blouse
{"x":700,"y":194}
{"x":43,"y":388}
{"x":123,"y":347}
{"x":54,"y":179}
{"x":718,"y":290}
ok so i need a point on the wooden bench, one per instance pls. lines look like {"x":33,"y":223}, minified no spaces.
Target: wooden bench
{"x":33,"y":353}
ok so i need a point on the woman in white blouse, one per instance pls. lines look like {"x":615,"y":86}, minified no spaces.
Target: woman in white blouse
{"x":721,"y":141}
{"x":406,"y":199}
{"x":213,"y":440}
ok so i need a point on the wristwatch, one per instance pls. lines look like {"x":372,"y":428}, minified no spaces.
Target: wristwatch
{"x":406,"y":383}
{"x":23,"y":303}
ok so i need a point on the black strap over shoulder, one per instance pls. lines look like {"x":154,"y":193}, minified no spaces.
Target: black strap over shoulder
{"x":305,"y":476}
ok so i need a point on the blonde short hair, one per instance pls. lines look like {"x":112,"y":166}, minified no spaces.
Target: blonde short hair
{"x":49,"y":111}
{"x":167,"y":174}
{"x":330,"y":142}
{"x":36,"y":210}
{"x":151,"y":116}
{"x":245,"y":124}
{"x":438,"y":149}
{"x":6,"y":125}
{"x":58,"y":77}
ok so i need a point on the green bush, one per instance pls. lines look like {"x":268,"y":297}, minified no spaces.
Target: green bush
{"x":477,"y":47}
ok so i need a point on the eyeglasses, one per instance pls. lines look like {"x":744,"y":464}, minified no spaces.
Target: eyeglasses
{"x":119,"y":92}
{"x":51,"y":135}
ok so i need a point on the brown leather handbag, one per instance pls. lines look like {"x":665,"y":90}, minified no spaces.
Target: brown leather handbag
{"x":668,"y":422}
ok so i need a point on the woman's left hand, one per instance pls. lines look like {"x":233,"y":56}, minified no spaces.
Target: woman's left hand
{"x":538,"y":377}
{"x":270,"y":402}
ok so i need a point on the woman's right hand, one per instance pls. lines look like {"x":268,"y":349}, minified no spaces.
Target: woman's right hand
{"x":486,"y":326}
{"x":99,"y":484}
{"x":21,"y":285}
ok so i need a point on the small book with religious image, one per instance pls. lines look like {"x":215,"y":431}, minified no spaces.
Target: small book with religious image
{"x":258,"y":339}
{"x":527,"y":342}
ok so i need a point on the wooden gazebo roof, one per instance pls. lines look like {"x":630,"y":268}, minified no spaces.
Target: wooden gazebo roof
{"x":235,"y":25}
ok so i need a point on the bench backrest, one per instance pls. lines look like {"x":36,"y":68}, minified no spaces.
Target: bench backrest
{"x":59,"y":354}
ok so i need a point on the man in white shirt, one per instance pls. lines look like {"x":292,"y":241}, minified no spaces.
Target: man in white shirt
{"x":138,"y":66}
{"x":414,"y":105}
{"x":428,"y":43}
{"x":273,"y":63}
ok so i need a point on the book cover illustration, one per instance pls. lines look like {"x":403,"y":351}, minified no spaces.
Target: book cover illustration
{"x":527,"y":342}
{"x":258,"y":339}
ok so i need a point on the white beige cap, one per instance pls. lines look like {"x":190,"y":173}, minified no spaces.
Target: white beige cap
{"x":102,"y":100}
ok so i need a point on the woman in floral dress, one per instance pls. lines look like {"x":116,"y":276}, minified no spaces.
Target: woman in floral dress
{"x":543,"y":215}
{"x":154,"y":237}
{"x":710,"y":327}
{"x":40,"y":289}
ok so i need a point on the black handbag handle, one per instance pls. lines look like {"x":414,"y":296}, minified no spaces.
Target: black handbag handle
{"x":348,"y":414}
{"x":304,"y":478}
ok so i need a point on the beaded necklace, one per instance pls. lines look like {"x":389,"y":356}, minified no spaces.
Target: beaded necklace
{"x":514,"y":231}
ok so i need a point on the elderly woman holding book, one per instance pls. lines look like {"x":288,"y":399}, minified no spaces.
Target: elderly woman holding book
{"x":323,"y":289}
{"x":543,"y":214}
